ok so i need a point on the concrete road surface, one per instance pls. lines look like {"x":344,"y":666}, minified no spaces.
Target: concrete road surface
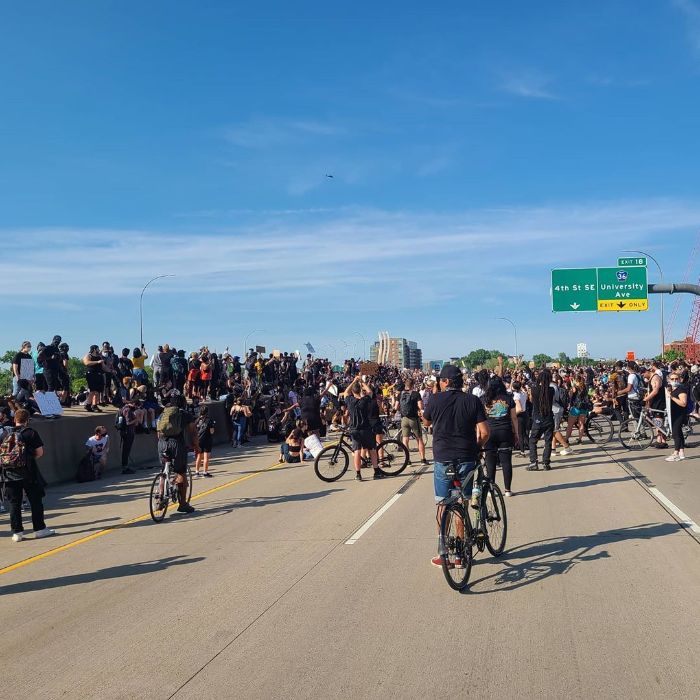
{"x":258,"y":595}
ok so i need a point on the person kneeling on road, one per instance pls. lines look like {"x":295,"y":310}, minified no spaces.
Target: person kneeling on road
{"x":357,"y":399}
{"x":175,"y":426}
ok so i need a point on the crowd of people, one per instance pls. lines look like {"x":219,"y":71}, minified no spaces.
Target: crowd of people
{"x":289,"y":399}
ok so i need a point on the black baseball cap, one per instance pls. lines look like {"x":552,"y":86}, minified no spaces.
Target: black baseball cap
{"x":450,"y":372}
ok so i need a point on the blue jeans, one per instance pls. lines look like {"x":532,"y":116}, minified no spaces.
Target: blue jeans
{"x":239,"y":426}
{"x":443,"y":483}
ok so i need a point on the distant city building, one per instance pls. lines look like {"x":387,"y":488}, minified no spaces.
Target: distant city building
{"x":397,"y":352}
{"x":433,"y":365}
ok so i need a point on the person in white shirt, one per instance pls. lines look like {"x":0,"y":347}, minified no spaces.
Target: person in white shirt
{"x":98,"y":447}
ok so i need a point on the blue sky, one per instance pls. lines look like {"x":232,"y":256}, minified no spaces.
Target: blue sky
{"x":472,"y":149}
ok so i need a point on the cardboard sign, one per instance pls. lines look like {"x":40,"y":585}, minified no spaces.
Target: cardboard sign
{"x":313,"y":445}
{"x":259,"y":348}
{"x":26,"y":369}
{"x":369,"y":368}
{"x":48,"y":403}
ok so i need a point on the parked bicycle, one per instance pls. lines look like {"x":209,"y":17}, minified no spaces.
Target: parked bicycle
{"x":638,"y":433}
{"x":164,"y":490}
{"x":599,"y":428}
{"x":333,"y":460}
{"x":459,"y":535}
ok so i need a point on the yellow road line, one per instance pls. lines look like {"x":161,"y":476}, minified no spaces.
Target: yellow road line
{"x":119,"y":526}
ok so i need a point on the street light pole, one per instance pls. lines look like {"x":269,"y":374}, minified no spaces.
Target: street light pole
{"x":364,"y":343}
{"x":661,"y":274}
{"x":159,"y":277}
{"x":245,"y":341}
{"x":515,"y":331}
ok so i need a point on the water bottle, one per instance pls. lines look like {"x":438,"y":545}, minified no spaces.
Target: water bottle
{"x":476,"y":495}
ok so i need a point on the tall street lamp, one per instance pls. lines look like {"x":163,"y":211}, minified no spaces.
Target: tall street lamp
{"x":515,"y":331}
{"x":245,"y":342}
{"x":364,"y":343}
{"x":661,"y":274}
{"x":159,"y":277}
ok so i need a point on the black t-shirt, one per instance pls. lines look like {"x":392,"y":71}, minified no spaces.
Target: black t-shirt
{"x":17,"y":360}
{"x":94,"y":369}
{"x":454,"y":416}
{"x":358,"y":410}
{"x":32,"y":442}
{"x":65,"y":357}
{"x":408,"y":404}
{"x":536,"y":413}
{"x":677,"y":410}
{"x":498,"y":413}
{"x":52,"y":358}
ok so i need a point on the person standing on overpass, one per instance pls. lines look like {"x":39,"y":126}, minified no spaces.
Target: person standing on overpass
{"x":460,"y":428}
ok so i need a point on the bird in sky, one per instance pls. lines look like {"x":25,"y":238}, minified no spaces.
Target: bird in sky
{"x":329,"y":176}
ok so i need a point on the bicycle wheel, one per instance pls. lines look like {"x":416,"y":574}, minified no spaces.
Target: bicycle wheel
{"x":687,"y":428}
{"x":599,"y":429}
{"x":159,"y":498}
{"x":393,"y":457}
{"x":495,"y":519}
{"x":456,"y":546}
{"x":332,"y":462}
{"x":189,"y":483}
{"x":633,"y":437}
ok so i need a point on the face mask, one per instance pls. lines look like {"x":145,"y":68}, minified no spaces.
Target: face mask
{"x":675,"y":384}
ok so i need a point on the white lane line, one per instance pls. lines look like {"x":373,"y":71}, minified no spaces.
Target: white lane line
{"x":356,"y":535}
{"x":685,"y":519}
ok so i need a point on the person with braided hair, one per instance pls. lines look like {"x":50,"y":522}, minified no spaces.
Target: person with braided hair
{"x":541,"y":397}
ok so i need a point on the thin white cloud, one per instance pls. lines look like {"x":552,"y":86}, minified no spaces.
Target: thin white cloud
{"x":385,"y":252}
{"x":530,"y":84}
{"x":268,"y":133}
{"x":691,"y":12}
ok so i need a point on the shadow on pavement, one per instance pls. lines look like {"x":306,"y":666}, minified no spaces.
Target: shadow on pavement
{"x":111,"y":572}
{"x":575,"y":485}
{"x":537,"y":561}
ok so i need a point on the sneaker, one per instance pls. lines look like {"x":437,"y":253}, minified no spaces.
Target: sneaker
{"x":546,"y":467}
{"x":672,"y":458}
{"x":196,"y":475}
{"x":458,"y":563}
{"x":128,"y":471}
{"x":507,"y":494}
{"x":185,"y":508}
{"x":358,"y":476}
{"x":378,"y":474}
{"x":681,"y":458}
{"x":207,"y":475}
{"x":564,"y":452}
{"x":532,"y":468}
{"x":424,"y":461}
{"x":437,"y":561}
{"x":46,"y":532}
{"x":17,"y":537}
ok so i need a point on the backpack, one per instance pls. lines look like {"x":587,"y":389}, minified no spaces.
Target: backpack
{"x":86,"y":470}
{"x":13,"y":452}
{"x":120,"y":422}
{"x":170,"y":422}
{"x":407,"y":405}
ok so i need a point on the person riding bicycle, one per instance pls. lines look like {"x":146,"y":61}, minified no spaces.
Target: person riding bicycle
{"x":357,"y":399}
{"x":460,"y":429}
{"x":175,"y":426}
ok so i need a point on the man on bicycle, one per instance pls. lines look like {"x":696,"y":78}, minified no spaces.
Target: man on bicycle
{"x":460,"y":429}
{"x":175,"y":425}
{"x":357,"y":399}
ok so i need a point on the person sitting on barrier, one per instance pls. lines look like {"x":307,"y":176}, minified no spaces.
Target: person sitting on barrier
{"x":98,"y":449}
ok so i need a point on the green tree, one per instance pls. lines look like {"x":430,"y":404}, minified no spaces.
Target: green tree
{"x":563,"y":358}
{"x":541,"y":359}
{"x":480,"y":357}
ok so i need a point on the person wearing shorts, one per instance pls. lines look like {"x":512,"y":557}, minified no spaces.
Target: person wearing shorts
{"x":410,"y":405}
{"x":460,"y":429}
{"x":358,"y":396}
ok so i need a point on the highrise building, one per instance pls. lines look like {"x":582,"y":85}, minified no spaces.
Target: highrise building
{"x":398,"y":352}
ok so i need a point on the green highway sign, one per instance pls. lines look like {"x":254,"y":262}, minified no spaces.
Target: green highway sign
{"x":622,"y":289}
{"x":631,"y":262}
{"x":575,"y":289}
{"x":600,"y":289}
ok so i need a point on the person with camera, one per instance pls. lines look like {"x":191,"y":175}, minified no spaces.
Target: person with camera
{"x":358,"y":397}
{"x":19,"y":452}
